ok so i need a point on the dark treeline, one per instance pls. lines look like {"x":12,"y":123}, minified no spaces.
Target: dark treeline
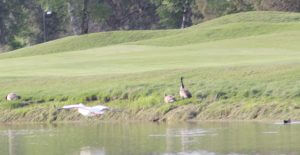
{"x":28,"y":22}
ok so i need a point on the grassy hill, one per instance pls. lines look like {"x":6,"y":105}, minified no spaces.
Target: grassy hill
{"x":241,"y":61}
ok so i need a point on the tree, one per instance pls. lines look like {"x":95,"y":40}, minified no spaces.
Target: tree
{"x":131,"y":14}
{"x":85,"y":18}
{"x":278,"y":5}
{"x":13,"y":28}
{"x":87,"y":15}
{"x":53,"y":25}
{"x":214,"y":8}
{"x":186,"y":8}
{"x":174,"y":13}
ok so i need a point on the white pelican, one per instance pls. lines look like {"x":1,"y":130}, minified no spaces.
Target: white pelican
{"x":88,"y":111}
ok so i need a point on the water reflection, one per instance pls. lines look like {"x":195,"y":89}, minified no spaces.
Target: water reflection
{"x":91,"y":151}
{"x":211,"y":138}
{"x":11,"y":150}
{"x":198,"y":152}
{"x":182,"y":133}
{"x":187,"y":137}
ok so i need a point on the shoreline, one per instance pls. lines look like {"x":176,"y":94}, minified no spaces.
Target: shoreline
{"x":162,"y":113}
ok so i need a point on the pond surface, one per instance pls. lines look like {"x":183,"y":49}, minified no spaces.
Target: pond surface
{"x":207,"y":138}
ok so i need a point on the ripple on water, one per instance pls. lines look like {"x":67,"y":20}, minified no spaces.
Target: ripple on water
{"x":24,"y":132}
{"x":270,"y":132}
{"x":183,"y":132}
{"x":202,"y":152}
{"x":199,"y":152}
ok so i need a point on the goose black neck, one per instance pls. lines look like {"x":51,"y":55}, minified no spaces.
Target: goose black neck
{"x":182,"y":82}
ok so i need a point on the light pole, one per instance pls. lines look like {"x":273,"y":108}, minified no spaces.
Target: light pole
{"x":47,"y":13}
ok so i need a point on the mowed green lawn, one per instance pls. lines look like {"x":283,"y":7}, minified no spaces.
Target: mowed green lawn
{"x":249,"y":57}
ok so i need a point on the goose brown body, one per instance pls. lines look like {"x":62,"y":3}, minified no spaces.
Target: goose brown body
{"x":169,"y":99}
{"x":12,"y":96}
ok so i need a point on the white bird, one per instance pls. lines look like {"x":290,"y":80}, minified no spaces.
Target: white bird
{"x":88,"y":111}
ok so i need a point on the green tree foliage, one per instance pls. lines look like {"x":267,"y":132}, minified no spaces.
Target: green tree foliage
{"x":277,"y":5}
{"x":131,"y":14}
{"x":215,"y":8}
{"x":56,"y":23}
{"x":173,"y":12}
{"x":87,"y":15}
{"x":13,"y":23}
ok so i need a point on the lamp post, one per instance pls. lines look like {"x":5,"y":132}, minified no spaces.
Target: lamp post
{"x":47,"y":13}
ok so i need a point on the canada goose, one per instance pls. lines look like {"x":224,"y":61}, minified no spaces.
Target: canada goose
{"x":12,"y":96}
{"x":87,"y":111}
{"x":288,"y":121}
{"x":183,"y":92}
{"x":169,"y":98}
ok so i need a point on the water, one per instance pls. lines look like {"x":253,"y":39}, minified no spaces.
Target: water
{"x":209,"y":138}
